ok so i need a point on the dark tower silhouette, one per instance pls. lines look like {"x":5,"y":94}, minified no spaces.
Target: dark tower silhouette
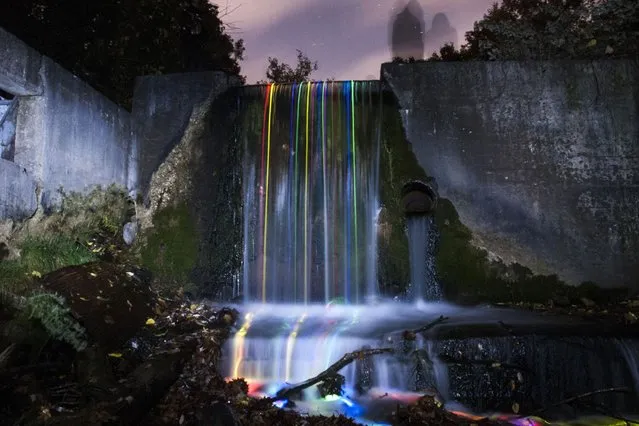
{"x":407,"y":32}
{"x":440,"y":34}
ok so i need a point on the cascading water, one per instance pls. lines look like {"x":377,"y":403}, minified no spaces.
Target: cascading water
{"x":311,"y":192}
{"x":421,"y":246}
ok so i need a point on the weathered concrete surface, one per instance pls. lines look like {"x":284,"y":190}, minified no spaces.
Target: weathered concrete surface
{"x":67,"y":135}
{"x":83,"y":136}
{"x":162,"y":108}
{"x":189,"y":116}
{"x":541,"y":159}
{"x":18,"y":199}
{"x":19,"y":66}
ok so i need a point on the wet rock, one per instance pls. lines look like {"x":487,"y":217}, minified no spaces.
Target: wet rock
{"x":332,"y":385}
{"x":129,"y":232}
{"x":111,"y":301}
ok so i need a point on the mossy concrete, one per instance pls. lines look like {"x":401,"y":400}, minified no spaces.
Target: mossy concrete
{"x":538,"y":157}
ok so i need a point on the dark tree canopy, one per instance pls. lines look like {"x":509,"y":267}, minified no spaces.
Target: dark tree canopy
{"x":548,"y":29}
{"x":110,"y":42}
{"x":280,"y":72}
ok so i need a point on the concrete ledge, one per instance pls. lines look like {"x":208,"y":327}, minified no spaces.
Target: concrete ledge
{"x":17,"y":192}
{"x":19,"y":66}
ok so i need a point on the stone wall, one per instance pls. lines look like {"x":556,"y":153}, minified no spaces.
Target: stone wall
{"x":67,"y":134}
{"x":539,"y":158}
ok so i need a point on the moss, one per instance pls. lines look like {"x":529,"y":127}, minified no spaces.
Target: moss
{"x":61,"y":238}
{"x":56,"y":318}
{"x":397,"y":166}
{"x":170,"y":248}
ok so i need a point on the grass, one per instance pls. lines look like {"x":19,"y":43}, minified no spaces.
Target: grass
{"x":41,"y":255}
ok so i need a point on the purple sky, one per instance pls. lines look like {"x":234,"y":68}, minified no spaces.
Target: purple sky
{"x":349,"y":38}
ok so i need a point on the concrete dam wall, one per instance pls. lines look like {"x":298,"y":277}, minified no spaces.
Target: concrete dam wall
{"x":541,"y":159}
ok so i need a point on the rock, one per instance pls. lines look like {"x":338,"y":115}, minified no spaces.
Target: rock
{"x":111,"y":301}
{"x":633,"y":304}
{"x":217,"y":414}
{"x":129,"y":232}
{"x":587,"y":302}
{"x":562,"y":301}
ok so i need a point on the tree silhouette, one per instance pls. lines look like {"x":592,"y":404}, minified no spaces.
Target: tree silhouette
{"x":440,"y":34}
{"x":407,"y":32}
{"x":281,"y":72}
{"x":552,"y":29}
{"x":110,"y":42}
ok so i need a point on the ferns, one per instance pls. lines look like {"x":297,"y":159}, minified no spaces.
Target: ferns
{"x":52,"y":313}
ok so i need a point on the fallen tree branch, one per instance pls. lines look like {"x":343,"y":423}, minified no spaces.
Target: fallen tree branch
{"x":412,"y":334}
{"x":286,"y":392}
{"x":430,"y":325}
{"x":582,"y":396}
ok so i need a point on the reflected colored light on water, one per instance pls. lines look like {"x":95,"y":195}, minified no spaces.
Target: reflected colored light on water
{"x":238,"y":344}
{"x":290,"y":344}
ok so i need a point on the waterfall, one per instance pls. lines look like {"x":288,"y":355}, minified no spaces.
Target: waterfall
{"x":311,"y":191}
{"x":421,"y":247}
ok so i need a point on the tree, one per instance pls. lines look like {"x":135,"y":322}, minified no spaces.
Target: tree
{"x":546,"y":29}
{"x":280,"y":72}
{"x":110,"y":42}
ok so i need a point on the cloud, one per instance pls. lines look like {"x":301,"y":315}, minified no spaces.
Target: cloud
{"x":341,"y":35}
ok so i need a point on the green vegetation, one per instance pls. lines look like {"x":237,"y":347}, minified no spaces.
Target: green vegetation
{"x":551,"y":29}
{"x":65,"y":237}
{"x":170,"y":248}
{"x":51,"y":311}
{"x":151,"y":37}
{"x":41,"y":255}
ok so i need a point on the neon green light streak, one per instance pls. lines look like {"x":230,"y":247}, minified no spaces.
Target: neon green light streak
{"x":268,"y":170}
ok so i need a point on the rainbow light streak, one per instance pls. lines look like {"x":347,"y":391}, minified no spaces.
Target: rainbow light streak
{"x":290,"y":344}
{"x":268,"y":169}
{"x":291,"y":182}
{"x":262,"y":173}
{"x":238,"y":344}
{"x":348,"y":201}
{"x":296,"y":183}
{"x":353,"y":85}
{"x":306,"y":200}
{"x":324,"y":190}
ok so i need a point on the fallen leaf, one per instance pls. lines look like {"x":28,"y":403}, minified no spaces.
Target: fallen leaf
{"x":115,"y":355}
{"x":150,"y":321}
{"x":36,"y":274}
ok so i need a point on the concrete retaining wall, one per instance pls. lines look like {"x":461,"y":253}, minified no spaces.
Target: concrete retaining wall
{"x":68,"y":135}
{"x":541,"y":159}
